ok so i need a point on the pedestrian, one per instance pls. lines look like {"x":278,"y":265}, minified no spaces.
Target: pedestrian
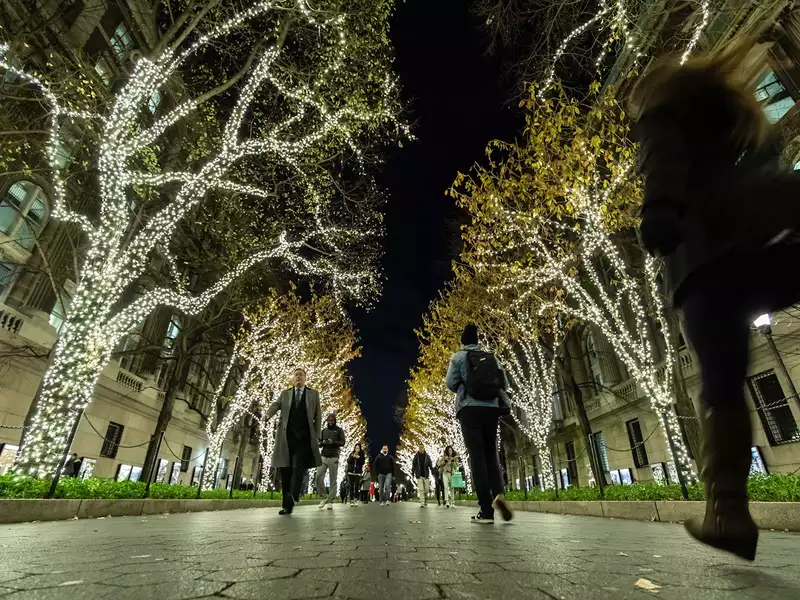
{"x":725,"y":221}
{"x":343,"y":490}
{"x":437,"y":477}
{"x":373,"y":489}
{"x":448,"y":465}
{"x":296,"y":441}
{"x":73,"y":466}
{"x":366,"y":484}
{"x":479,"y":384}
{"x":355,"y":467}
{"x":421,"y":468}
{"x":331,"y":441}
{"x":383,"y":471}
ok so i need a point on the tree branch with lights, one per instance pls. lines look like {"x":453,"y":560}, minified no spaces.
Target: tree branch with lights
{"x":331,"y":104}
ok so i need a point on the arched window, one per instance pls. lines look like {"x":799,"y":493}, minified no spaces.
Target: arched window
{"x":594,"y":362}
{"x":23,"y":213}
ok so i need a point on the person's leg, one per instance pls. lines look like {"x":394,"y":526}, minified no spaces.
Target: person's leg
{"x":387,"y":488}
{"x":447,"y":485}
{"x":493,"y":469}
{"x":333,"y":469}
{"x":298,"y":476}
{"x":320,"y":478}
{"x":427,"y":489}
{"x":717,"y":327}
{"x":472,"y":430}
{"x":379,"y":491}
{"x":286,"y":488}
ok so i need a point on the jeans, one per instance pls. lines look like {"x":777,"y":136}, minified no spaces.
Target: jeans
{"x":291,"y":486}
{"x":354,"y":486}
{"x":440,"y":490}
{"x":331,"y":464}
{"x":447,"y":484}
{"x":479,"y":428}
{"x":424,"y":485}
{"x":385,"y":487}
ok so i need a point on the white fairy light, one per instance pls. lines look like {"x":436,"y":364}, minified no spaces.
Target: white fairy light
{"x":111,"y":265}
{"x":705,"y":9}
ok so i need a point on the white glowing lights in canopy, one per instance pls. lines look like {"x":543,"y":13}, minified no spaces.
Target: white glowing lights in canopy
{"x":118,"y":255}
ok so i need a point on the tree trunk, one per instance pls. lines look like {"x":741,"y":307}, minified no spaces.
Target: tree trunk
{"x":237,"y":473}
{"x":684,"y":407}
{"x":165,"y":416}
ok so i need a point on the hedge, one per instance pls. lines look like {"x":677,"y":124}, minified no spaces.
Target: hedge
{"x":15,"y":486}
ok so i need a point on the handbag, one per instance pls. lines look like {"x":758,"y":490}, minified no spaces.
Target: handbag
{"x":457,"y":479}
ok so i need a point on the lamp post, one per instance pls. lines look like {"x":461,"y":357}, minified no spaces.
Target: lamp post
{"x":764,"y":324}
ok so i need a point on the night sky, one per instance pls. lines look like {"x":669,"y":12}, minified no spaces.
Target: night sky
{"x":456,"y":99}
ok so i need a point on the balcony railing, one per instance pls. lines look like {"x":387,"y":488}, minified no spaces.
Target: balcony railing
{"x":11,"y":320}
{"x":130,"y":381}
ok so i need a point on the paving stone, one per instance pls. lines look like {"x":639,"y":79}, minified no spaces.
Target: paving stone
{"x":387,"y":590}
{"x":78,"y":592}
{"x":285,"y":589}
{"x":251,"y":574}
{"x":437,"y":576}
{"x":299,"y":563}
{"x":343,"y":574}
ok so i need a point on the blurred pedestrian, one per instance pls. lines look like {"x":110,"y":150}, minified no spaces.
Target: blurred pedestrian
{"x":383,"y":472}
{"x":73,"y":466}
{"x":366,"y":484}
{"x":355,"y":467}
{"x":331,"y":441}
{"x":448,"y":465}
{"x":479,"y":384}
{"x":421,"y":468}
{"x":725,"y":220}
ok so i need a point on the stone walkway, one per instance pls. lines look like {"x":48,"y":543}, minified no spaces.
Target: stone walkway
{"x":374,"y":553}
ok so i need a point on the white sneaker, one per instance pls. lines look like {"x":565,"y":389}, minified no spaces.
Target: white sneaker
{"x":322,"y":504}
{"x":330,"y":506}
{"x":383,"y":503}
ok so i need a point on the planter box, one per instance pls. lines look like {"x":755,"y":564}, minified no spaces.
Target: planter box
{"x":776,"y":515}
{"x":22,"y":511}
{"x":106,"y":508}
{"x":640,"y":511}
{"x":678,"y":512}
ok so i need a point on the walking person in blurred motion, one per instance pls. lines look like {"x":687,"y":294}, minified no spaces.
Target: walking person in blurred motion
{"x":299,"y":428}
{"x":331,"y":441}
{"x":725,"y":220}
{"x":479,"y":384}
{"x":447,"y":465}
{"x":383,"y":472}
{"x":355,"y":466}
{"x":437,"y":477}
{"x":366,"y":484}
{"x":421,"y":468}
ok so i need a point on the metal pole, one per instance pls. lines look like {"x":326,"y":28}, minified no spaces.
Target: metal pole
{"x":257,"y":478}
{"x":233,"y":476}
{"x":555,"y":474}
{"x":678,"y":468}
{"x":60,"y":467}
{"x":524,"y":476}
{"x":202,"y":475}
{"x":595,"y":461}
{"x":154,"y":467}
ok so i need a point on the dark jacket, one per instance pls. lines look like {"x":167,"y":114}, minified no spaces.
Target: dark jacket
{"x":707,"y":200}
{"x":383,"y":465}
{"x":331,"y":440}
{"x":421,"y":466}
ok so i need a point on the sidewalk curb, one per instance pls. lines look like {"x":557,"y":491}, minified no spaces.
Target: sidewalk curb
{"x":780,"y":516}
{"x":24,"y":511}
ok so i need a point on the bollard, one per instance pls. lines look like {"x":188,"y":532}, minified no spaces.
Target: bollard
{"x":202,"y":475}
{"x":154,"y":466}
{"x":60,"y":467}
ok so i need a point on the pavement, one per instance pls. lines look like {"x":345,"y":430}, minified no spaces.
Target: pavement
{"x":380,"y":553}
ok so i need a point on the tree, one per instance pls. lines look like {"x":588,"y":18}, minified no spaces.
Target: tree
{"x":283,"y":334}
{"x":553,"y":217}
{"x":320,"y":101}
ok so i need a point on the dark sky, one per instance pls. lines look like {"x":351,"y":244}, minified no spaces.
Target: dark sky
{"x":456,"y":100}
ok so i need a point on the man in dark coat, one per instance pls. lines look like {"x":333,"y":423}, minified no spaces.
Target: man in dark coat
{"x":421,"y":469}
{"x":296,"y":441}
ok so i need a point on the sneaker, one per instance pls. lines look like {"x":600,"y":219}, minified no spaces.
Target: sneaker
{"x":501,"y":505}
{"x":322,"y":504}
{"x":480,"y":519}
{"x":383,"y":503}
{"x":423,"y":506}
{"x":447,"y":505}
{"x":330,"y":506}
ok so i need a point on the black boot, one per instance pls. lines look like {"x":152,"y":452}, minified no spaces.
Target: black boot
{"x":726,"y":447}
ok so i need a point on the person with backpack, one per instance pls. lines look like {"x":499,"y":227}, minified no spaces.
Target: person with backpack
{"x":421,"y":468}
{"x":479,"y":384}
{"x":448,"y":465}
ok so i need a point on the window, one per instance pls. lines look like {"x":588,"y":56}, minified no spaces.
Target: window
{"x":23,"y":212}
{"x":173,"y":329}
{"x":773,"y":408}
{"x":223,"y":470}
{"x":103,"y":70}
{"x":127,"y":348}
{"x":175,"y":473}
{"x":600,"y":447}
{"x":594,"y":362}
{"x":62,"y":306}
{"x":154,"y":102}
{"x":111,"y":443}
{"x":74,"y":11}
{"x":161,"y":474}
{"x":572,"y":465}
{"x":6,"y":276}
{"x":87,"y":468}
{"x":637,"y":443}
{"x":63,"y":154}
{"x":8,"y":453}
{"x":121,"y":41}
{"x":186,"y":456}
{"x":774,"y":98}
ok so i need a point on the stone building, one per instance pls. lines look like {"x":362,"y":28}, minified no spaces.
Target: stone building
{"x":37,"y":277}
{"x":629,"y":441}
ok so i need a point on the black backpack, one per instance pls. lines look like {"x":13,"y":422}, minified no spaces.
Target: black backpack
{"x":484,"y":378}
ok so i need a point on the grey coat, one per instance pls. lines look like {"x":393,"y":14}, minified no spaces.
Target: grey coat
{"x":280,"y":455}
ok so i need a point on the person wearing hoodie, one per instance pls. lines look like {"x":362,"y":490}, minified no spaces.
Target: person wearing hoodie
{"x":383,"y":471}
{"x":330,"y":442}
{"x":421,"y":468}
{"x":448,"y":465}
{"x":355,"y":465}
{"x":480,"y":387}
